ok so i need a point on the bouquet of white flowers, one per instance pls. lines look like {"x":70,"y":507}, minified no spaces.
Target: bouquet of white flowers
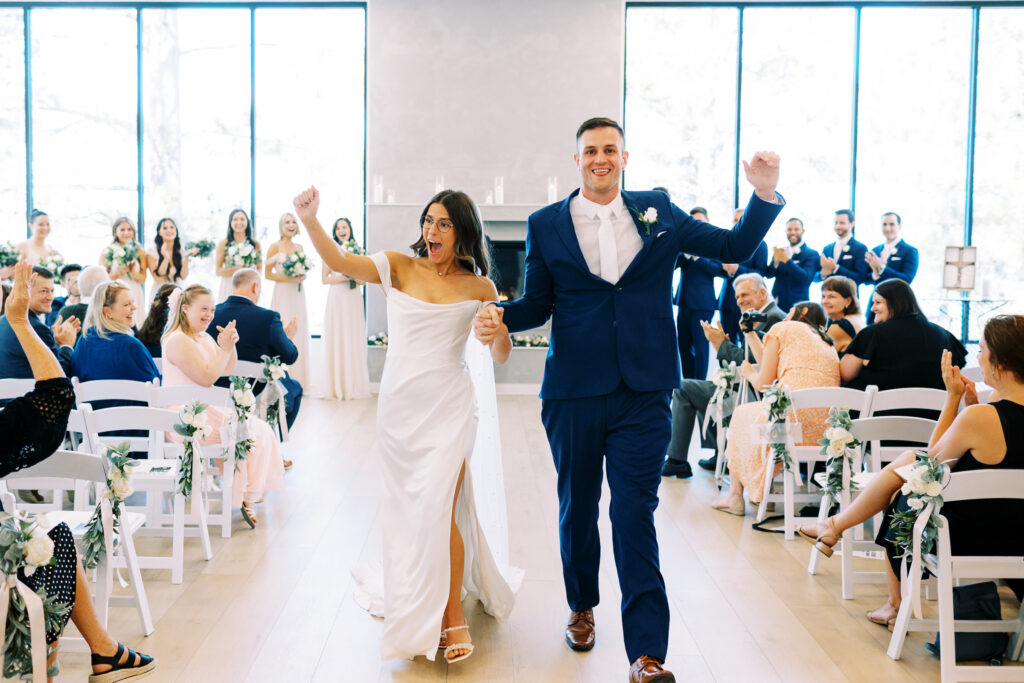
{"x":119,"y":487}
{"x":838,"y":445}
{"x":203,"y":247}
{"x":243,"y":254}
{"x":296,"y":264}
{"x":122,"y":255}
{"x":925,"y":479}
{"x":53,"y":263}
{"x":9,"y":254}
{"x":244,"y":401}
{"x":195,"y":427}
{"x":352,"y":247}
{"x":379,"y":339}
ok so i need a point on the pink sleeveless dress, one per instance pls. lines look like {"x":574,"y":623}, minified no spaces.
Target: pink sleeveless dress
{"x":263,"y":470}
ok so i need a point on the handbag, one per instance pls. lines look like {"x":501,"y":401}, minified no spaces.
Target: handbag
{"x":977,"y":601}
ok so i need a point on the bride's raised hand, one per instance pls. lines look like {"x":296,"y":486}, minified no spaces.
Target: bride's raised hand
{"x":307,"y":203}
{"x":227,"y":336}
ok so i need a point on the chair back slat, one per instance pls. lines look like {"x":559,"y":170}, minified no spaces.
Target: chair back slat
{"x":915,"y":429}
{"x":247,"y":368}
{"x":832,"y":397}
{"x":984,"y":484}
{"x":15,"y":388}
{"x":182,"y":394}
{"x":920,"y":398}
{"x":112,"y":389}
{"x":63,"y":466}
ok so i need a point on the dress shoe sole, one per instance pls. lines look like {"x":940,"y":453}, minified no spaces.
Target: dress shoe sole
{"x":579,"y":648}
{"x":663,"y":678}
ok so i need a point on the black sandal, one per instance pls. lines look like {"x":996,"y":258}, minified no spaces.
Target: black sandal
{"x":119,"y":671}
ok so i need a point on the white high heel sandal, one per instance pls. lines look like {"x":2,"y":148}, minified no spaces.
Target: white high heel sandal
{"x":457,"y":646}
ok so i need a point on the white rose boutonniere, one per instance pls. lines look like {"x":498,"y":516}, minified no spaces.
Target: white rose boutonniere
{"x":648,"y":217}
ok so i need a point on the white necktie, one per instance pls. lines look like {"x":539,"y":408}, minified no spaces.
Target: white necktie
{"x":606,"y":243}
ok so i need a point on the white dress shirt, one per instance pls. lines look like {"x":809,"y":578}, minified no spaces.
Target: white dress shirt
{"x":887,"y":250}
{"x":837,"y":250}
{"x":585,"y":221}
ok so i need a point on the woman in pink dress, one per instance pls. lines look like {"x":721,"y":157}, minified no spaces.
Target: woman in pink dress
{"x":191,"y":356}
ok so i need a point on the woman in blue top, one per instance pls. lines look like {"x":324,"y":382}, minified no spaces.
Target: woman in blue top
{"x":108,"y":349}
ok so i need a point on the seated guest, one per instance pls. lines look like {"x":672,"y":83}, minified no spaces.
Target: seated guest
{"x":729,"y":314}
{"x":902,"y":348}
{"x":108,"y":349}
{"x":983,"y":436}
{"x":60,"y":340}
{"x":690,"y":401}
{"x":153,"y":327}
{"x":793,"y":267}
{"x":839,"y":299}
{"x":191,"y":356}
{"x":32,"y":427}
{"x":894,"y":258}
{"x":800,"y":355}
{"x":69,"y":281}
{"x":260,"y":333}
{"x":88,"y":280}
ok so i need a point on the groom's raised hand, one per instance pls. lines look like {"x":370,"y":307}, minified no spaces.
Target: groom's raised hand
{"x":488,"y":323}
{"x":763,"y":173}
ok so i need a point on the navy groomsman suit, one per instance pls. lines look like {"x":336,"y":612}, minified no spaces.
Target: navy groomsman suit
{"x":695,"y":298}
{"x":730,"y":311}
{"x":260,"y":333}
{"x":902,"y":263}
{"x":850,"y":263}
{"x":793,"y":278}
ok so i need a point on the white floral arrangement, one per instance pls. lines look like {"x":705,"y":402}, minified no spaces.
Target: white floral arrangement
{"x":9,"y":254}
{"x":722,"y":401}
{"x":379,"y":339}
{"x":838,"y":445}
{"x":121,"y":255}
{"x":194,"y":427}
{"x":243,"y":254}
{"x":26,"y":615}
{"x":203,"y":247}
{"x":273,"y":373}
{"x":244,"y":401}
{"x":118,"y":487}
{"x":925,"y":481}
{"x":352,"y":247}
{"x":775,"y":404}
{"x":530,"y":340}
{"x":648,"y":217}
{"x":54,"y":262}
{"x":296,"y":264}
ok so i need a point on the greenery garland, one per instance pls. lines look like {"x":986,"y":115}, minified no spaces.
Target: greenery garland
{"x":194,"y":428}
{"x":923,"y":486}
{"x":838,"y":445}
{"x":245,"y":402}
{"x":775,"y":403}
{"x":118,"y":487}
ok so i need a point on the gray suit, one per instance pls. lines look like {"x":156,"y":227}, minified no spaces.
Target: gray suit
{"x":690,"y":401}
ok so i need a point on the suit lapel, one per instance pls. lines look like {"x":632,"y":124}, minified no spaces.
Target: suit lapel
{"x":635,"y":211}
{"x":566,"y":231}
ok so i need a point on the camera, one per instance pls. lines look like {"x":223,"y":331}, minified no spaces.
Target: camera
{"x":749,"y":318}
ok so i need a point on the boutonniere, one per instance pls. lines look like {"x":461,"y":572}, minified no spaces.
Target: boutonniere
{"x":846,"y":248}
{"x":648,"y":217}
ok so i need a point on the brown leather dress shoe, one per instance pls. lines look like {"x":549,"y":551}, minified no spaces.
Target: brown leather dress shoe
{"x":579,"y":632}
{"x":649,"y":670}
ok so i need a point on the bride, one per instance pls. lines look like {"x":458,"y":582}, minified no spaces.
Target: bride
{"x":433,"y":545}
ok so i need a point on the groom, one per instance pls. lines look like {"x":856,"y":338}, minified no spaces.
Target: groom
{"x":599,"y":264}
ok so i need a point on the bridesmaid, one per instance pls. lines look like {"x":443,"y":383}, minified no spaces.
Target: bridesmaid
{"x":134,"y":275}
{"x":239,"y":230}
{"x":35,"y":249}
{"x":346,"y":374}
{"x":168,"y":262}
{"x":288,"y":299}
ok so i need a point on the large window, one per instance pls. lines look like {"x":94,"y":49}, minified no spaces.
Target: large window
{"x":12,"y":126}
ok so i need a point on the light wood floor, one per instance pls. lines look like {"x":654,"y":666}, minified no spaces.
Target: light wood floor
{"x":275,"y":604}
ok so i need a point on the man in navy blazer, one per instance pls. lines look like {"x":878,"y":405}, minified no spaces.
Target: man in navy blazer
{"x":728,"y":310}
{"x":793,"y":267}
{"x":599,"y":264}
{"x":845,"y":256}
{"x":259,"y":333}
{"x":894,"y":258}
{"x":61,"y":339}
{"x":695,"y":301}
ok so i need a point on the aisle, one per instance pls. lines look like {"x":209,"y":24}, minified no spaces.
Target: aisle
{"x":275,"y":604}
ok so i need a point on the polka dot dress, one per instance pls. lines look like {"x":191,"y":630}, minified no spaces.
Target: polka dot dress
{"x":58,"y":580}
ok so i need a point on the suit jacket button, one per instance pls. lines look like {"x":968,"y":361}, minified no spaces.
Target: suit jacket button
{"x":618,"y":289}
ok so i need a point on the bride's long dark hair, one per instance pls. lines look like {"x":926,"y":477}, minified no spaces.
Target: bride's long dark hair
{"x":469,"y":232}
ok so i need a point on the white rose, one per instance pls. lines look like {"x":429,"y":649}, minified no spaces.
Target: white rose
{"x":245,"y":249}
{"x":277,"y":372}
{"x":121,"y":487}
{"x":38,"y":551}
{"x":839,"y":434}
{"x":917,"y":485}
{"x":770,"y":399}
{"x":201,"y":420}
{"x":187,"y":417}
{"x":651,"y":215}
{"x":249,"y":399}
{"x":905,"y":489}
{"x":836,"y":449}
{"x":933,"y":488}
{"x":719,"y":381}
{"x":238,"y":395}
{"x":915,"y":503}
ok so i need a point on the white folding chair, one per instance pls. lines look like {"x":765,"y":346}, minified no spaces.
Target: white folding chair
{"x":61,"y":471}
{"x":793,"y":490}
{"x":112,"y":389}
{"x":870,"y":431}
{"x":950,"y":570}
{"x":15,"y":388}
{"x":222,"y":454}
{"x":157,"y":477}
{"x":159,"y":363}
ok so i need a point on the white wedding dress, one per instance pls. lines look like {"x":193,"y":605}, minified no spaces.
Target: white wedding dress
{"x":427,"y":428}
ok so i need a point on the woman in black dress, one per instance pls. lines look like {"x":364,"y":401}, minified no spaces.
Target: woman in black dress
{"x":31,"y":428}
{"x":982,"y":436}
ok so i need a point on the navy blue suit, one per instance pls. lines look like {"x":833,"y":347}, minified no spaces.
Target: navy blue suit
{"x":260,"y":333}
{"x":695,"y":299}
{"x":13,"y":362}
{"x":850,"y":263}
{"x":902,"y":264}
{"x":612,"y":362}
{"x":730,"y":310}
{"x":793,"y":278}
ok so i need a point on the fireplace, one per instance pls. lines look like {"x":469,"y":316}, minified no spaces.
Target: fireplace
{"x":508,"y":261}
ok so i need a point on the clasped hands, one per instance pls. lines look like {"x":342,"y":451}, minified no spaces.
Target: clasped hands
{"x":488,"y":325}
{"x":227,"y":336}
{"x":957,"y":386}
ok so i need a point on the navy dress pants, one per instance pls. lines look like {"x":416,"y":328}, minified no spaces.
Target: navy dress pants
{"x":694,"y":350}
{"x":629,"y":430}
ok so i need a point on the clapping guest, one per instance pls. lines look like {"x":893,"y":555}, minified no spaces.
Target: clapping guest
{"x":288,"y":299}
{"x":894,"y":258}
{"x":132,"y":273}
{"x":32,"y":427}
{"x":69,"y":281}
{"x":845,"y":256}
{"x":839,"y":299}
{"x":345,"y":355}
{"x":88,"y":280}
{"x":108,"y":349}
{"x":799,"y":354}
{"x":60,"y":339}
{"x":153,"y":327}
{"x":793,"y":267}
{"x":192,"y":357}
{"x":902,"y":348}
{"x":239,"y":233}
{"x":35,"y":250}
{"x":168,"y":262}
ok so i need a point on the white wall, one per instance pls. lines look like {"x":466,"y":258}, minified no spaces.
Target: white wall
{"x":472,"y":89}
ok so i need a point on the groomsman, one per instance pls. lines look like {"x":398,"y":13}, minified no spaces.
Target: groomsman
{"x":845,"y":256}
{"x":729,"y":311}
{"x":894,"y":258}
{"x":695,"y":298}
{"x":793,"y":267}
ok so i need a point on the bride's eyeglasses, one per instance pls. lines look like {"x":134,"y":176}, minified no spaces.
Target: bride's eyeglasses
{"x":443,"y":224}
